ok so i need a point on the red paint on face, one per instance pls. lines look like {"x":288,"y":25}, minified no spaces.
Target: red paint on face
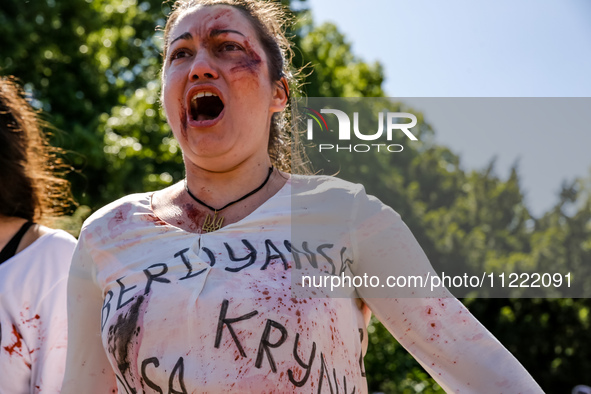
{"x":249,"y":62}
{"x":183,"y":114}
{"x":223,"y":13}
{"x":252,"y":63}
{"x":234,"y":64}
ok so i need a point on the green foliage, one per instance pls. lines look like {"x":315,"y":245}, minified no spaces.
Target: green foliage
{"x":390,"y":369}
{"x":330,"y":67}
{"x":81,"y":60}
{"x":73,"y":223}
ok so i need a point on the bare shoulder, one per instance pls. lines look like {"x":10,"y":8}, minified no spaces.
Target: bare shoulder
{"x":35,"y":232}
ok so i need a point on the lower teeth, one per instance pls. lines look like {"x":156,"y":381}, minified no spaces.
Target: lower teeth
{"x":204,"y":117}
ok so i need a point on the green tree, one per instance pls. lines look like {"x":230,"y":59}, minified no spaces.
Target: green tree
{"x":81,"y":60}
{"x":331,"y":68}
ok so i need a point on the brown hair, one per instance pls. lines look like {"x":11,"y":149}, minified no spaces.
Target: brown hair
{"x":29,"y":188}
{"x":269,"y":20}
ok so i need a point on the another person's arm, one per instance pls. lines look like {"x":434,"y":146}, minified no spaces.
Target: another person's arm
{"x":51,"y":316}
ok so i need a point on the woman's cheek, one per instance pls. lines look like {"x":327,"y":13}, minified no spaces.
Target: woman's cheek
{"x":241,"y":74}
{"x":165,"y":97}
{"x":174,"y":106}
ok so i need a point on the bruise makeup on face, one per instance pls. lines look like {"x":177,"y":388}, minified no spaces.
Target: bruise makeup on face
{"x":210,"y":39}
{"x":251,"y":60}
{"x":228,"y":40}
{"x":252,"y":63}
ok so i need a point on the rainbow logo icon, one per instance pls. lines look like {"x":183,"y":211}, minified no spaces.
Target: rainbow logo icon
{"x":315,"y":115}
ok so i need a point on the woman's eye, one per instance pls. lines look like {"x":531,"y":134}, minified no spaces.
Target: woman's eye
{"x":230,"y":47}
{"x":178,"y":54}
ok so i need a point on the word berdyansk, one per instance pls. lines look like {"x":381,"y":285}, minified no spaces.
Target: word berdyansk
{"x":345,"y":131}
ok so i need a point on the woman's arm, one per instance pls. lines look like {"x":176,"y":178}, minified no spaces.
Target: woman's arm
{"x":87,"y":367}
{"x":50,"y":315}
{"x":454,"y":348}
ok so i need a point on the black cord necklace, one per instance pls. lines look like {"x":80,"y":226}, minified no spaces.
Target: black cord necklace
{"x":214,"y":223}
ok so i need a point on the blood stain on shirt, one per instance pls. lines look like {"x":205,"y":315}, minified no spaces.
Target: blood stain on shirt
{"x":123,"y":335}
{"x":156,"y":220}
{"x":17,"y":347}
{"x":36,"y":317}
{"x":115,"y":223}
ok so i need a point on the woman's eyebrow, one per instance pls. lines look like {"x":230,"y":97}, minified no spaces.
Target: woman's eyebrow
{"x":214,"y":33}
{"x":184,"y":36}
{"x":217,"y":32}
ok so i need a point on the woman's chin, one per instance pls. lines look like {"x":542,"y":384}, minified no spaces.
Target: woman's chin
{"x":204,"y":149}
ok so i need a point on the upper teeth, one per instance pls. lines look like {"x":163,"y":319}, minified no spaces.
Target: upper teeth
{"x":204,"y":94}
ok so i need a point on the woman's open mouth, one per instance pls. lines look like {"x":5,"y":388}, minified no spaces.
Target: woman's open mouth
{"x":205,"y":108}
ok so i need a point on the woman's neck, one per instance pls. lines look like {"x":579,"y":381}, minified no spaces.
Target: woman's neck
{"x":219,"y":187}
{"x":216,"y":189}
{"x":9,"y":225}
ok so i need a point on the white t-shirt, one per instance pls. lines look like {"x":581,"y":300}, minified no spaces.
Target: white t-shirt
{"x":154,"y":308}
{"x":33,"y":315}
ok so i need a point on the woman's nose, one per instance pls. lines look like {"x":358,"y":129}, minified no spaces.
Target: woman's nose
{"x":202,"y":67}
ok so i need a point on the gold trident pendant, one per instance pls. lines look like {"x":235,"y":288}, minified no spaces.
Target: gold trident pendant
{"x":212,"y":223}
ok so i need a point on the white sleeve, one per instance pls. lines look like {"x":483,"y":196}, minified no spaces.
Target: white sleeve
{"x":48,"y":343}
{"x":87,"y":367}
{"x":49,"y":366}
{"x":440,"y":333}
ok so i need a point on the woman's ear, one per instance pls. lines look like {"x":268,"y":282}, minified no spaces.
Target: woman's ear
{"x":280,"y":95}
